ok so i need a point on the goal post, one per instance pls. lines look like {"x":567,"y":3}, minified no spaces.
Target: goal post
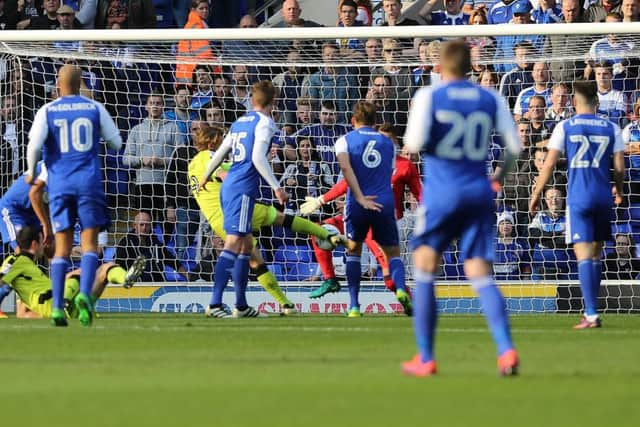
{"x":320,"y":73}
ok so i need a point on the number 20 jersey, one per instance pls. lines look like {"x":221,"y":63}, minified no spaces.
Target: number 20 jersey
{"x":72,"y":128}
{"x":458,"y":122}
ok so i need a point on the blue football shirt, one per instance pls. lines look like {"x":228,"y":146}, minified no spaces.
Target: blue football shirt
{"x":589,"y":143}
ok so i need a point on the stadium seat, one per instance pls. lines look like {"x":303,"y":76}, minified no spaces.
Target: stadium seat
{"x":170,"y":275}
{"x":278,"y":270}
{"x":301,"y":271}
{"x":108,"y":253}
{"x":293,"y":254}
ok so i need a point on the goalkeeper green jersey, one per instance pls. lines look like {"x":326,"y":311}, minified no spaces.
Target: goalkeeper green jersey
{"x":209,"y":200}
{"x":27,"y":279}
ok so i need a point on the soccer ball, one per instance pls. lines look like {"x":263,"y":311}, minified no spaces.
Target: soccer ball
{"x":325,"y":243}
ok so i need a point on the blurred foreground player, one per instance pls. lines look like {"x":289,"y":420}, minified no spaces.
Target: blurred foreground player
{"x":451,"y":125}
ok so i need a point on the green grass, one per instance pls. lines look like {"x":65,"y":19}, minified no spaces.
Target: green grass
{"x":186,"y":370}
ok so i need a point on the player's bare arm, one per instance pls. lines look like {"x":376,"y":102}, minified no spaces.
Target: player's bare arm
{"x":36,"y":194}
{"x":618,"y":176}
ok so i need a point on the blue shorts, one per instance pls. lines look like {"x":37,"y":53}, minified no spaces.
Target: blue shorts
{"x":589,"y":224}
{"x":238,"y":212}
{"x":472,"y":220}
{"x":90,"y":210}
{"x":383,"y":225}
{"x":12,"y":222}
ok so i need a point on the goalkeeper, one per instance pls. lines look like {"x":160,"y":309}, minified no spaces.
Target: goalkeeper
{"x":405,"y":176}
{"x":33,"y":286}
{"x":208,"y":140}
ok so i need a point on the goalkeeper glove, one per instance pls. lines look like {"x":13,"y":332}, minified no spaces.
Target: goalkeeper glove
{"x":311,"y":204}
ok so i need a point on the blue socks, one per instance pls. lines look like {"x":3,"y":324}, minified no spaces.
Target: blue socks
{"x":354,"y":271}
{"x":425,"y":313}
{"x":224,"y":266}
{"x":240,"y":280}
{"x":59,"y":267}
{"x":588,"y":286}
{"x":4,"y":291}
{"x":495,"y":312}
{"x":597,"y":277}
{"x":88,"y":266}
{"x":396,"y":271}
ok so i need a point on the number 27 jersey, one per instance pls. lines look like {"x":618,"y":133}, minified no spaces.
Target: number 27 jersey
{"x":71,"y":128}
{"x":589,"y":142}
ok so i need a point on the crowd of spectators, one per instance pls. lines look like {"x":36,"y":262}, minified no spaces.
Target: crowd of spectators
{"x":159,"y":106}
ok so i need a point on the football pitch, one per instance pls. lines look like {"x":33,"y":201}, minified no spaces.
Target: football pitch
{"x":186,"y":370}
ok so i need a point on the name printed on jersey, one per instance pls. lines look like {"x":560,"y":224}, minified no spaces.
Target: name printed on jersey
{"x":75,"y":106}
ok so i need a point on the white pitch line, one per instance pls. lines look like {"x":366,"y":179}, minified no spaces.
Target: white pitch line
{"x":227,"y":327}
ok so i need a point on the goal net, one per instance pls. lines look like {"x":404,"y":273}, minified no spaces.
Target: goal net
{"x":160,"y":87}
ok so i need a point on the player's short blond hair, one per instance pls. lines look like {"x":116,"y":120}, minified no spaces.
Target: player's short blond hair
{"x":455,"y":58}
{"x":263,"y":93}
{"x":364,"y":113}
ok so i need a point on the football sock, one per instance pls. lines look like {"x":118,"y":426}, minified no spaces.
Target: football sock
{"x":4,"y":291}
{"x":301,"y":225}
{"x":377,"y":252}
{"x":586,"y":275}
{"x":396,"y":269}
{"x":116,"y":275}
{"x":88,"y":266}
{"x":325,"y":260}
{"x":59,"y":267}
{"x":71,"y":288}
{"x":270,"y":284}
{"x":225,"y":263}
{"x":353,"y":278}
{"x":425,"y":313}
{"x":241,"y":279}
{"x":495,"y":312}
{"x":597,"y":277}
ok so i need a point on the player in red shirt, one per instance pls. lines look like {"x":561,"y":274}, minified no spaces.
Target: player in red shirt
{"x":406,"y":175}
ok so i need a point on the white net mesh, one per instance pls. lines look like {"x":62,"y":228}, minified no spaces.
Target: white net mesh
{"x":319,"y":81}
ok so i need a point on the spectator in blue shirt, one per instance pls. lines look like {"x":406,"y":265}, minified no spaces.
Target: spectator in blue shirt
{"x":547,"y":12}
{"x":322,"y":136}
{"x":612,"y":104}
{"x":451,"y":15}
{"x":505,"y":45}
{"x":501,"y":12}
{"x":511,"y":257}
{"x":520,"y":77}
{"x":551,"y":258}
{"x":348,"y":11}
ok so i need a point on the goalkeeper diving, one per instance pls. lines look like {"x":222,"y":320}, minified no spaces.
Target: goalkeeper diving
{"x":33,"y":286}
{"x":208,"y":140}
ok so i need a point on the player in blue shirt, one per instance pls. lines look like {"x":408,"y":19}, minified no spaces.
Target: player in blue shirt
{"x":367,"y":161}
{"x":17,"y":213}
{"x":451,"y":125}
{"x":590,"y":143}
{"x":249,"y":141}
{"x":15,"y":206}
{"x":66,"y":133}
